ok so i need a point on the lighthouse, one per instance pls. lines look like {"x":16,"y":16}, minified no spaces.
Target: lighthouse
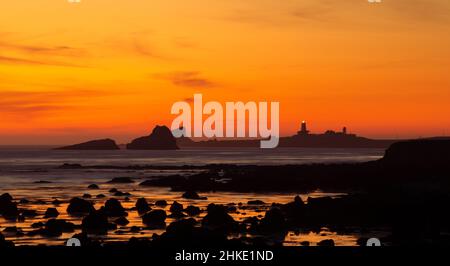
{"x":304,"y":129}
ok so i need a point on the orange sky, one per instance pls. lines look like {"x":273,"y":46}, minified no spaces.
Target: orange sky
{"x":73,"y":72}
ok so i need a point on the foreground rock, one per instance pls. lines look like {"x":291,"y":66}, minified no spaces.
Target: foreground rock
{"x":51,"y":213}
{"x":8,"y":208}
{"x":193,"y":195}
{"x":96,"y":223}
{"x":155,"y":219}
{"x":4,"y":243}
{"x":102,"y":144}
{"x":142,"y":206}
{"x":185,"y":233}
{"x":161,"y":138}
{"x":79,"y":206}
{"x":113,"y":208}
{"x":218,"y":219}
{"x":56,"y":227}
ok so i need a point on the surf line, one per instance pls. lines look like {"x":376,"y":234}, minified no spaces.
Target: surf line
{"x":235,"y":114}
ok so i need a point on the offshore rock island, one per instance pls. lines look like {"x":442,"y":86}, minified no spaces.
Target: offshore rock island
{"x":161,"y":138}
{"x":303,"y":138}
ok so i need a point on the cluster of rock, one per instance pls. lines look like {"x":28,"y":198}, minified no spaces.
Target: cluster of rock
{"x":161,"y":138}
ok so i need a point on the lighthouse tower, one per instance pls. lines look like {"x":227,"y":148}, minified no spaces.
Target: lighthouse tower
{"x":304,"y":129}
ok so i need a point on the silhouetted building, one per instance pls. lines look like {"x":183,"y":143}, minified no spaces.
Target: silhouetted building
{"x":344,"y":131}
{"x":304,"y":129}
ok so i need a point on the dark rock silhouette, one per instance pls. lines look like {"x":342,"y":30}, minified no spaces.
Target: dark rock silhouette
{"x":102,"y":144}
{"x":218,"y":219}
{"x":96,"y":223}
{"x":161,"y":138}
{"x":161,"y":203}
{"x":79,"y":206}
{"x":113,"y":208}
{"x":425,"y":152}
{"x":142,"y":206}
{"x":155,"y":219}
{"x":51,"y":213}
{"x":93,"y":186}
{"x":4,"y":243}
{"x":122,"y":221}
{"x":273,"y":221}
{"x":192,"y":210}
{"x":256,"y":202}
{"x":176,"y":207}
{"x":326,"y":243}
{"x":192,"y":195}
{"x":8,"y":208}
{"x":56,"y":227}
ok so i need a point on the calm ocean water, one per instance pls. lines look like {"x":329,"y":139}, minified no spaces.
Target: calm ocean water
{"x":22,"y":167}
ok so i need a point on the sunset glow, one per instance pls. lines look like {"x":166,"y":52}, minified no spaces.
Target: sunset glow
{"x":95,"y":69}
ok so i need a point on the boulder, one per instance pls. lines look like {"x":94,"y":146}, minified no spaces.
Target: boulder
{"x":256,"y":202}
{"x":192,"y":195}
{"x":122,"y":221}
{"x":326,"y":243}
{"x":192,"y":210}
{"x":155,"y":218}
{"x":176,"y":207}
{"x":79,"y":206}
{"x":96,"y":223}
{"x":273,"y":221}
{"x":4,"y":243}
{"x":51,"y":213}
{"x":8,"y":208}
{"x":218,"y":218}
{"x":142,"y":206}
{"x":93,"y":186}
{"x":113,"y":208}
{"x":56,"y":227}
{"x":161,"y":203}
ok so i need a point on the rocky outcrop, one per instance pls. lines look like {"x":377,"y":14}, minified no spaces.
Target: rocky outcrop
{"x":155,"y":219}
{"x":96,"y":223}
{"x":160,"y":139}
{"x":113,"y":208}
{"x":415,"y":153}
{"x":79,"y":206}
{"x":8,"y":208}
{"x":142,"y":206}
{"x":193,"y":195}
{"x":102,"y":144}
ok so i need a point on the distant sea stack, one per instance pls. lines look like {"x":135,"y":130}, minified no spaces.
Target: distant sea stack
{"x":101,"y":144}
{"x":160,"y":139}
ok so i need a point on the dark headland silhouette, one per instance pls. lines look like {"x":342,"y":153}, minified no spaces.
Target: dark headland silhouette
{"x":102,"y":144}
{"x":162,"y":138}
{"x":303,"y":138}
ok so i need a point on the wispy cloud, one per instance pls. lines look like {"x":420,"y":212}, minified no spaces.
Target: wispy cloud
{"x":191,"y":79}
{"x":30,"y":103}
{"x":60,"y":50}
{"x":24,"y":61}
